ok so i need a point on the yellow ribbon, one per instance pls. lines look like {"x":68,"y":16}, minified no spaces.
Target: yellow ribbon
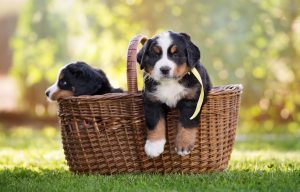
{"x":200,"y":100}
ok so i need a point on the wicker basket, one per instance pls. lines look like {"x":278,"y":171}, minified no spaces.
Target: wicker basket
{"x":106,"y":134}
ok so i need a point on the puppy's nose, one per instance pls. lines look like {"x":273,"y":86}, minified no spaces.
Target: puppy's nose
{"x":47,"y":93}
{"x":165,"y":70}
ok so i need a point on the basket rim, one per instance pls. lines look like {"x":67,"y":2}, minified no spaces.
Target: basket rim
{"x":221,"y":90}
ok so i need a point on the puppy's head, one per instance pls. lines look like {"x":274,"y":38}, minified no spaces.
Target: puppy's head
{"x":168,"y":55}
{"x":74,"y":79}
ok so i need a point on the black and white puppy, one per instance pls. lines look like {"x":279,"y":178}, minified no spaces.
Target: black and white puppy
{"x":77,"y":79}
{"x":167,"y":60}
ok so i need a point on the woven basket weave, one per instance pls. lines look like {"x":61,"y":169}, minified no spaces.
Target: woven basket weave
{"x":106,"y":133}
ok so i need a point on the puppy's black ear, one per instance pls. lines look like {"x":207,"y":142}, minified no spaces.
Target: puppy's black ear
{"x":193,"y":52}
{"x":186,"y":36}
{"x":143,"y":53}
{"x":76,"y":69}
{"x":90,"y":81}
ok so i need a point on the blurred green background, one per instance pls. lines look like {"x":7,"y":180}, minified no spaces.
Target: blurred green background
{"x":255,"y":43}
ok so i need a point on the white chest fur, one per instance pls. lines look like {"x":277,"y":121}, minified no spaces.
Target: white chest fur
{"x":170,"y":92}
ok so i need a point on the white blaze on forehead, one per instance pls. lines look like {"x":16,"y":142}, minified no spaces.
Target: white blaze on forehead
{"x":164,"y":41}
{"x":54,"y":87}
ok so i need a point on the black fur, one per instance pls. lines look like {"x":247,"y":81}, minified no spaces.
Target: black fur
{"x":153,"y":112}
{"x":82,"y":79}
{"x":192,"y":51}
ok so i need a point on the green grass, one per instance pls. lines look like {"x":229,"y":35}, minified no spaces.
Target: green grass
{"x":33,"y":160}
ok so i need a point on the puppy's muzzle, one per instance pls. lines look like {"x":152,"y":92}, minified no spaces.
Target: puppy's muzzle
{"x":165,"y":70}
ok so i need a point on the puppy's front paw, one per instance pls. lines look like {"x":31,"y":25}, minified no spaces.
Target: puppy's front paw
{"x":154,"y":148}
{"x":185,"y":140}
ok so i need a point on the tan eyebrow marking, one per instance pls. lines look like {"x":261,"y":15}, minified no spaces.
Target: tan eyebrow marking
{"x":156,"y":49}
{"x":173,"y":49}
{"x":61,"y":76}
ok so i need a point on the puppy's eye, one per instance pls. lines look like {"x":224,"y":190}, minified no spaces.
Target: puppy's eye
{"x":175,"y":54}
{"x":63,"y":83}
{"x":154,"y":54}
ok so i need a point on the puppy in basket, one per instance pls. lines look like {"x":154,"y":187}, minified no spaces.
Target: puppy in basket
{"x":78,"y":78}
{"x":173,"y":77}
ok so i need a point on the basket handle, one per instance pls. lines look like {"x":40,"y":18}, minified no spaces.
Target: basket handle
{"x":131,"y":62}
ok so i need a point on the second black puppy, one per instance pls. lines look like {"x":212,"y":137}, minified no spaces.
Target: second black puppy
{"x":77,"y":79}
{"x":167,"y":60}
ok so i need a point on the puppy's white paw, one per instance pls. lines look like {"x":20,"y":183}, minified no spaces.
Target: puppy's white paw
{"x":154,"y":148}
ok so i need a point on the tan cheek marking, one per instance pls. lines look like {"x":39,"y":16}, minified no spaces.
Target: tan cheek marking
{"x":173,"y":49}
{"x":61,"y":94}
{"x":186,"y":137}
{"x":149,"y":69}
{"x":181,"y":70}
{"x":159,"y":132}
